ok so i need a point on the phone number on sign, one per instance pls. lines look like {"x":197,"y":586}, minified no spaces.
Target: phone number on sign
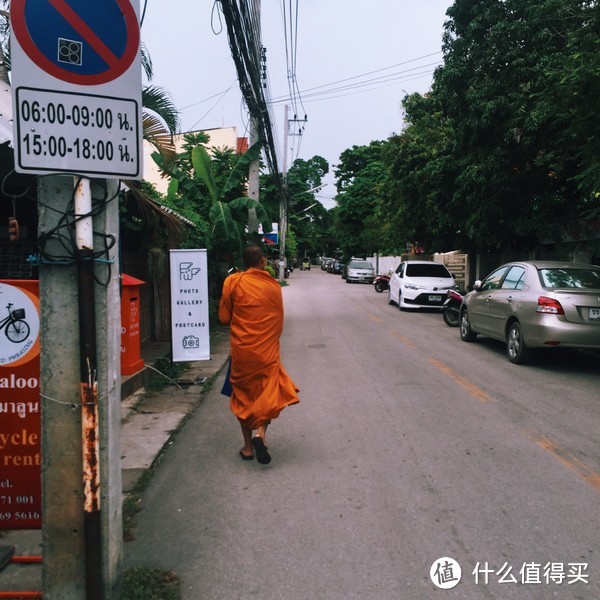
{"x":19,"y":516}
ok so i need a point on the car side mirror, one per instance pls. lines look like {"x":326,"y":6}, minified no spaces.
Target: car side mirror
{"x":477,"y":285}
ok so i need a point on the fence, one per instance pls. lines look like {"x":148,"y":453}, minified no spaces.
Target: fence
{"x":457,"y":264}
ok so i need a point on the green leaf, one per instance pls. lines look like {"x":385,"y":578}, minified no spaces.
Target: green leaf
{"x":240,"y":171}
{"x":203,"y":167}
{"x":261,"y":213}
{"x":223,"y":222}
{"x":172,"y":188}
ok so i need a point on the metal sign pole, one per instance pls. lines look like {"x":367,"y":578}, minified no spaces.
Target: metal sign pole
{"x":89,"y":390}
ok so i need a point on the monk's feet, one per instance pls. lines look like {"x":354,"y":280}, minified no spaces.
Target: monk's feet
{"x":246,"y":455}
{"x":262,"y":452}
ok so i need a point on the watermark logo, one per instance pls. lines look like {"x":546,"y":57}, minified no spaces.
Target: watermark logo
{"x":445,"y":573}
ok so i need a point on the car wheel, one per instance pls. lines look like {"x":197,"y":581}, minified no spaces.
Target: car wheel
{"x":466,"y":333}
{"x":400,"y":301}
{"x":516,"y":349}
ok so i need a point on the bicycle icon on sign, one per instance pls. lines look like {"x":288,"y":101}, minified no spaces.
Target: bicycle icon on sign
{"x":15,"y":327}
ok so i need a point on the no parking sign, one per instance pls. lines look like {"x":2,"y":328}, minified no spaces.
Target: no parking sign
{"x":76,"y":76}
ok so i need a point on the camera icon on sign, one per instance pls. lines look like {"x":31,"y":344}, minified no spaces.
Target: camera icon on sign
{"x":191,"y":341}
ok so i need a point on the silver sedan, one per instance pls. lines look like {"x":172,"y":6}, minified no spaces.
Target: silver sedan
{"x":535,"y":304}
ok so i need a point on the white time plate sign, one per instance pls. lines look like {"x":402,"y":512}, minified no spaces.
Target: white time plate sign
{"x":78,"y":133}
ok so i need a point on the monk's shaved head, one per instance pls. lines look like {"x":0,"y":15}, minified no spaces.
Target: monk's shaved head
{"x":252,"y":256}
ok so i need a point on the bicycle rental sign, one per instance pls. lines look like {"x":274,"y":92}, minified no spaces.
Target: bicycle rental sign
{"x":20,"y":409}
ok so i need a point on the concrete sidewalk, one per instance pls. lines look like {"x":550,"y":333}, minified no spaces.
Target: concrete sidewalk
{"x":148,"y":422}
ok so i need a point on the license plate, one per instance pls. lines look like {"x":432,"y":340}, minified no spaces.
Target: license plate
{"x":435,"y":298}
{"x":594,"y":314}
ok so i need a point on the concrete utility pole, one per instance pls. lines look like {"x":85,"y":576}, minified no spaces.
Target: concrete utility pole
{"x":254,"y":172}
{"x":284,"y":198}
{"x":253,"y":180}
{"x":63,"y":523}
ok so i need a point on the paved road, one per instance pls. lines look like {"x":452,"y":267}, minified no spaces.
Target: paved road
{"x":408,"y":446}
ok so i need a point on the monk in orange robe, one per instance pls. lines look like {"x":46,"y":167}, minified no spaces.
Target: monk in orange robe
{"x":252,"y":305}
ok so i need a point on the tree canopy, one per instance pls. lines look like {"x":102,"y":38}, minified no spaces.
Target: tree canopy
{"x":504,"y":149}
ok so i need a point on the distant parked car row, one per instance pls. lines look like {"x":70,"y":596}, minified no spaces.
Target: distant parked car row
{"x":354,"y":270}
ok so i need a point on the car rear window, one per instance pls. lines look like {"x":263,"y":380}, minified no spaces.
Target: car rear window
{"x":360,"y":264}
{"x":570,"y":278}
{"x":432,"y":270}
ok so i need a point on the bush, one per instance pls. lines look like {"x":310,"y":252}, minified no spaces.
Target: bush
{"x":141,"y":583}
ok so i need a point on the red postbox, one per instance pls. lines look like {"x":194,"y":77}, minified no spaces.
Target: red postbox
{"x":131,"y":360}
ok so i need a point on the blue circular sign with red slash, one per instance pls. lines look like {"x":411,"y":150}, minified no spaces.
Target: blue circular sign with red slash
{"x":83,"y":42}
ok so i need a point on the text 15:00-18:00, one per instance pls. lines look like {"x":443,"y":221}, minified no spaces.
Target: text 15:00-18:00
{"x":58,"y":146}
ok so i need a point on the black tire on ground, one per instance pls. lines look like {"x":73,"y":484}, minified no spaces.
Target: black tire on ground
{"x":516,"y":348}
{"x":466,"y":333}
{"x":451,"y":315}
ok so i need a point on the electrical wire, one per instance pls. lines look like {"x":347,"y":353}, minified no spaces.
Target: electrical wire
{"x":210,"y":97}
{"x":213,"y":106}
{"x":401,"y":75}
{"x":143,"y":13}
{"x":62,"y":237}
{"x":241,"y":19}
{"x":296,"y":125}
{"x":365,"y":91}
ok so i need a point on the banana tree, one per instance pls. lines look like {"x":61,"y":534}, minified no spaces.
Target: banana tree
{"x":226,"y":227}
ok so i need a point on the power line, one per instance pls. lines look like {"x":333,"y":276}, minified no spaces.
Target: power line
{"x":358,"y":88}
{"x":242,"y":22}
{"x":219,"y":94}
{"x":403,"y":74}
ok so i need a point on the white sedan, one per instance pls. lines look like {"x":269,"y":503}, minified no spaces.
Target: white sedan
{"x":420,"y":284}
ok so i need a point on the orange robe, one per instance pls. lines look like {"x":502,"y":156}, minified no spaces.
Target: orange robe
{"x":252,"y":304}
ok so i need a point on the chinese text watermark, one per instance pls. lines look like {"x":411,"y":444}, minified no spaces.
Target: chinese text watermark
{"x":446,"y":573}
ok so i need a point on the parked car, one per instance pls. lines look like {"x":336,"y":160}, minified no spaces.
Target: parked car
{"x":535,"y":304}
{"x":337,"y":267}
{"x":361,"y":271}
{"x":420,"y":284}
{"x":325,"y":262}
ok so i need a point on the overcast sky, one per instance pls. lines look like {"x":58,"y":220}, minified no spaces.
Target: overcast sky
{"x":354,"y":62}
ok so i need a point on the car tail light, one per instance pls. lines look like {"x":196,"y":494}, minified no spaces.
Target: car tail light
{"x":549,"y":305}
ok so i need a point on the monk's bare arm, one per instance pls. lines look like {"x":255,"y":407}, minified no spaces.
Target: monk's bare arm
{"x":225,"y":306}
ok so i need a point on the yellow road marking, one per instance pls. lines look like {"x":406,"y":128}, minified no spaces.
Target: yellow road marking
{"x":472,"y":389}
{"x":376,"y":319}
{"x":568,"y":460}
{"x":404,"y":340}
